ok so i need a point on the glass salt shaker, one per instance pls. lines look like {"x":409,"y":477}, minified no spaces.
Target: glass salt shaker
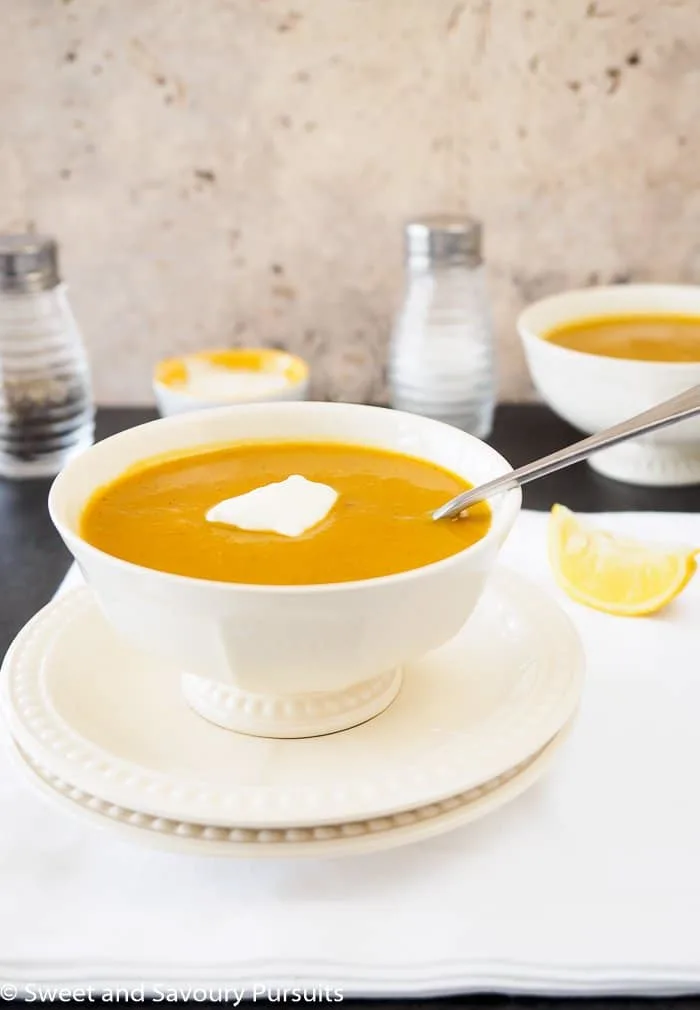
{"x":441,"y":358}
{"x":46,"y":410}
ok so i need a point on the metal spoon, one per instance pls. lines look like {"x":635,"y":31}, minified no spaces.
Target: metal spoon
{"x":679,"y":408}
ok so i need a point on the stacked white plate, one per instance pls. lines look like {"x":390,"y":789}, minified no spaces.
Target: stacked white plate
{"x":475,"y":724}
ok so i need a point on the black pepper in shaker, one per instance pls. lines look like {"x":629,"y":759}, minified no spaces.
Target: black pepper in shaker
{"x":46,"y":409}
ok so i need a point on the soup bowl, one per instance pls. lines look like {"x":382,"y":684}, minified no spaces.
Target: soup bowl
{"x":285,"y":661}
{"x":593,"y":392}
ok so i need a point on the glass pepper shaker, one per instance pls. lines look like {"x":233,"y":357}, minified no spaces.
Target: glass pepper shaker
{"x":46,"y":410}
{"x":441,"y":358}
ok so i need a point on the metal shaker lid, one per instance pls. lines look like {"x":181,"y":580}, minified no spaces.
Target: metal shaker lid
{"x":28,"y":263}
{"x":444,"y":239}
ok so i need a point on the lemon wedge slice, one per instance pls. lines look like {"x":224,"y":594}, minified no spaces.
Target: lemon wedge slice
{"x":613,"y":574}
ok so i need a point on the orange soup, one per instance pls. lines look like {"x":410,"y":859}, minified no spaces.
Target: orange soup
{"x":641,"y":337}
{"x":154,"y":515}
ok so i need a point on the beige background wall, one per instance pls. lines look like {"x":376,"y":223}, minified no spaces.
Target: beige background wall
{"x":237,"y":172}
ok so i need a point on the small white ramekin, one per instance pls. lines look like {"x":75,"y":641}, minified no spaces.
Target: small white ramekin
{"x":173,"y":396}
{"x":593,"y":392}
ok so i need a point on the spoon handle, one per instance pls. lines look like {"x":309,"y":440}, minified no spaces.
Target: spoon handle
{"x":679,"y":408}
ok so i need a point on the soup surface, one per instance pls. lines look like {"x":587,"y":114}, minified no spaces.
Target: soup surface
{"x":154,"y":515}
{"x":645,"y":338}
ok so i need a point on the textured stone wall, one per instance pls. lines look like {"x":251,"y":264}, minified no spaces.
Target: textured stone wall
{"x":237,"y":172}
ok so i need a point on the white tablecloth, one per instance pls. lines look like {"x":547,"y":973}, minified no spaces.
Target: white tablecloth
{"x":589,"y":883}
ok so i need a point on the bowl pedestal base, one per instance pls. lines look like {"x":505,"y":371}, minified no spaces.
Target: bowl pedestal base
{"x":651,"y":464}
{"x":293,"y":715}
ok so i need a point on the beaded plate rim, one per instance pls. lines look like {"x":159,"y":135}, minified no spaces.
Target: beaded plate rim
{"x":527,"y":720}
{"x":348,"y":838}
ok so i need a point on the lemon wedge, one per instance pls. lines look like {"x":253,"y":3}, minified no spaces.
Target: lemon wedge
{"x":613,"y":574}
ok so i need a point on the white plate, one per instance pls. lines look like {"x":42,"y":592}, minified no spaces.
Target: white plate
{"x":349,"y":839}
{"x":467,"y":713}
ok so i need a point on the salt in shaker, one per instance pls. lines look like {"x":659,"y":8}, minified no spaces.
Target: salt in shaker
{"x":46,"y":411}
{"x":441,"y":359}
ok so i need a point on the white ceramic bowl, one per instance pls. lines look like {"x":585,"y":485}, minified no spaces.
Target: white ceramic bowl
{"x":287,"y":375}
{"x":286,"y":660}
{"x":593,"y":392}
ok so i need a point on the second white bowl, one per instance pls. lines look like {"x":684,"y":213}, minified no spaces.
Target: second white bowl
{"x":593,"y":392}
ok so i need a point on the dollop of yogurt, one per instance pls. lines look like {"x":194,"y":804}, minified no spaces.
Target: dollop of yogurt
{"x":217,"y":382}
{"x":289,"y":507}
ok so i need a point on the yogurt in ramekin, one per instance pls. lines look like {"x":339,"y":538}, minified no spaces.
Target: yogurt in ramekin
{"x":223,"y":377}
